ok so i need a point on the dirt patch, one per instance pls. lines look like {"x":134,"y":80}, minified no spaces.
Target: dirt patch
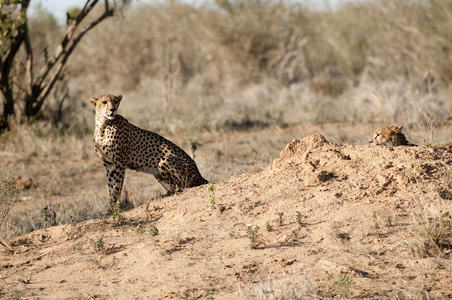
{"x":323,"y":219}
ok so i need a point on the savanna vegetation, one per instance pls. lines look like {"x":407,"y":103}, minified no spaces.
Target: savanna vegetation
{"x":235,"y":81}
{"x":236,"y":78}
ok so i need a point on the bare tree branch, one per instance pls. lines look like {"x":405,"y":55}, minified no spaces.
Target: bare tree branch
{"x":45,"y":92}
{"x":66,"y":39}
{"x":37,"y":88}
{"x":28,"y":66}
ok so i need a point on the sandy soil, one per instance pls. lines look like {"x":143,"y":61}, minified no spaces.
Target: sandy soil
{"x":333,"y":221}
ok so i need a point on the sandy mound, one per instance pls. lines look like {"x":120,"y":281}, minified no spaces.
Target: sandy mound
{"x":334,"y":220}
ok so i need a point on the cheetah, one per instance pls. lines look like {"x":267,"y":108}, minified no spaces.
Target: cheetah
{"x":121,"y":145}
{"x":390,"y":136}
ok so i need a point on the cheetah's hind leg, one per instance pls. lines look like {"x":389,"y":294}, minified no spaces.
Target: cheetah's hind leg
{"x":170,"y":188}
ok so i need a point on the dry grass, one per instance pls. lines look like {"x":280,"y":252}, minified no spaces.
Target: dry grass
{"x":432,"y":223}
{"x":8,"y":195}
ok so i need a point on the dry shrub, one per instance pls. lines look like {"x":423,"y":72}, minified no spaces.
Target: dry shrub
{"x":397,"y":101}
{"x":52,"y":214}
{"x":8,"y":195}
{"x":240,"y":61}
{"x":432,"y":222}
{"x":435,"y":231}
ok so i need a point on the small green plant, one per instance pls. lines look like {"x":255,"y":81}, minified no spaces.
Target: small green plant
{"x":253,"y":236}
{"x":139,"y":229}
{"x":209,"y":295}
{"x":50,"y":215}
{"x":344,"y":282}
{"x":280,"y":219}
{"x":435,"y":230}
{"x":153,"y":230}
{"x":99,"y":246}
{"x":269,"y":227}
{"x":389,"y":221}
{"x":193,"y":143}
{"x":211,"y":196}
{"x":230,"y":232}
{"x":446,"y":218}
{"x":8,"y":196}
{"x":117,"y":215}
{"x":247,"y":205}
{"x":148,"y":211}
{"x":299,"y":218}
{"x":374,"y":218}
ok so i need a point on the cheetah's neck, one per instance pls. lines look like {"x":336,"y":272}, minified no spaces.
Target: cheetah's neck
{"x":100,"y":125}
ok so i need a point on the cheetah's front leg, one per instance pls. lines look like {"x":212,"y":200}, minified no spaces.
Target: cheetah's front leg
{"x":115,"y":177}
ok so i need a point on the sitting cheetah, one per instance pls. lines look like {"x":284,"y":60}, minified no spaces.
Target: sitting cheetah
{"x":389,"y":135}
{"x":121,"y":145}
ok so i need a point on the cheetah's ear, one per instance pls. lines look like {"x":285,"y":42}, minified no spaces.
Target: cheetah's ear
{"x":93,"y":101}
{"x":119,"y":98}
{"x":399,"y":129}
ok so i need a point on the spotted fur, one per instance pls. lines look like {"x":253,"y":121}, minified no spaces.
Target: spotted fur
{"x":121,"y":145}
{"x":390,"y":136}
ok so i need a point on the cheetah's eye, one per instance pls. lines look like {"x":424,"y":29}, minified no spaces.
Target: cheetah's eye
{"x":105,"y":102}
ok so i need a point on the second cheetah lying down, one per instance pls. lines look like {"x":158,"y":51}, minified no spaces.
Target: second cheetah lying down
{"x":390,"y":136}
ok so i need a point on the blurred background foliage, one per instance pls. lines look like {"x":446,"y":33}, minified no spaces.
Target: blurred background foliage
{"x":235,"y":62}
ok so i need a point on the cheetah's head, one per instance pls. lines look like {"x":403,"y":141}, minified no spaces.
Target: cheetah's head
{"x":388,"y":135}
{"x":106,"y":106}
